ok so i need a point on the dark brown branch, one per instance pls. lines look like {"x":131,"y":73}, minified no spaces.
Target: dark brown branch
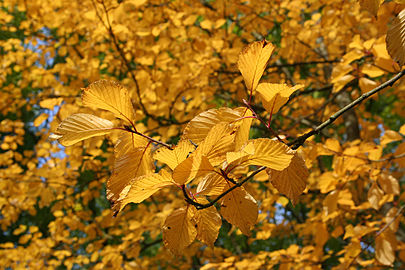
{"x":300,"y":140}
{"x":200,"y":206}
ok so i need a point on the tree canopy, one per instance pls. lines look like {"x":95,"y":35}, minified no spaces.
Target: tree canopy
{"x":208,"y":134}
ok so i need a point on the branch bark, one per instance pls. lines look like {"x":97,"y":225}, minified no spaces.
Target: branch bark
{"x":301,"y":139}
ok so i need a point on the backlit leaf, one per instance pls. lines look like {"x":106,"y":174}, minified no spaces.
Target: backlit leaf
{"x":252,"y":62}
{"x":385,"y":245}
{"x":191,"y":168}
{"x":375,"y":195}
{"x":174,"y":157}
{"x":208,"y":224}
{"x":110,"y":96}
{"x":395,"y":38}
{"x":81,"y":126}
{"x":179,"y":230}
{"x":274,"y":95}
{"x":143,"y":187}
{"x":219,"y":141}
{"x":240,"y":209}
{"x":198,"y":128}
{"x":212,"y":184}
{"x":292,"y":180}
{"x":135,"y":163}
{"x":272,"y":154}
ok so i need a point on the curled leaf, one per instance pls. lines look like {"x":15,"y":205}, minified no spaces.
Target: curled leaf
{"x":81,"y":126}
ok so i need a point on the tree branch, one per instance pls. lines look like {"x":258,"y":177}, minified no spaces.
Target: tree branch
{"x":200,"y":206}
{"x":301,"y":139}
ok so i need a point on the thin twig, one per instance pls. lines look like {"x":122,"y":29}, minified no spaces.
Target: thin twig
{"x":128,"y":128}
{"x":200,"y":206}
{"x":300,"y":140}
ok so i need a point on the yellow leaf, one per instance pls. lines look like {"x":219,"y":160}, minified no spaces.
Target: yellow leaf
{"x":135,"y":163}
{"x":396,"y":40}
{"x":272,"y":154}
{"x":374,"y":196}
{"x":198,"y":128}
{"x":110,"y":96}
{"x":212,"y":184}
{"x":371,"y":6}
{"x":252,"y":62}
{"x":402,"y":130}
{"x":400,"y":151}
{"x":242,"y":134}
{"x":240,"y":209}
{"x":367,"y":84}
{"x":143,"y":187}
{"x":292,"y":180}
{"x":40,"y":119}
{"x":371,"y":71}
{"x":174,"y":157}
{"x":274,"y":95}
{"x":50,"y":103}
{"x":339,"y":84}
{"x":208,"y":224}
{"x":390,"y":136}
{"x":81,"y":126}
{"x":191,"y":168}
{"x":219,"y":141}
{"x":388,"y":184}
{"x":385,"y":245}
{"x":179,"y":230}
{"x":127,"y":141}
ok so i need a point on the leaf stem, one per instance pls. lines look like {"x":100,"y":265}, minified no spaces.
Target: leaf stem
{"x":128,"y":128}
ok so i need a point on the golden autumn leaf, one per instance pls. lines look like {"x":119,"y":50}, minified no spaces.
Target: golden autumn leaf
{"x":143,"y":187}
{"x":174,"y":157}
{"x":127,"y":141}
{"x":239,"y":208}
{"x":219,"y":141}
{"x":40,"y":119}
{"x":179,"y":230}
{"x":253,"y":61}
{"x":135,"y":163}
{"x":388,"y":184}
{"x":110,"y":96}
{"x":292,"y":180}
{"x":208,"y":224}
{"x":242,"y":134}
{"x":275,"y":95}
{"x":272,"y":154}
{"x":375,"y":195}
{"x":395,"y":39}
{"x":81,"y":126}
{"x":191,"y":168}
{"x":212,"y":184}
{"x":385,"y":245}
{"x":197,"y":129}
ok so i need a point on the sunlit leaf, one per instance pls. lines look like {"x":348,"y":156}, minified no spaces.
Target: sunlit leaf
{"x":135,"y":163}
{"x":395,"y":38}
{"x":81,"y":126}
{"x":143,"y":187}
{"x":179,"y":230}
{"x":240,"y":209}
{"x":174,"y":157}
{"x":274,"y":95}
{"x":198,"y":128}
{"x":385,"y":245}
{"x":191,"y":168}
{"x":110,"y":96}
{"x":212,"y":184}
{"x":269,"y":153}
{"x":208,"y":223}
{"x":292,"y":180}
{"x":252,"y":62}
